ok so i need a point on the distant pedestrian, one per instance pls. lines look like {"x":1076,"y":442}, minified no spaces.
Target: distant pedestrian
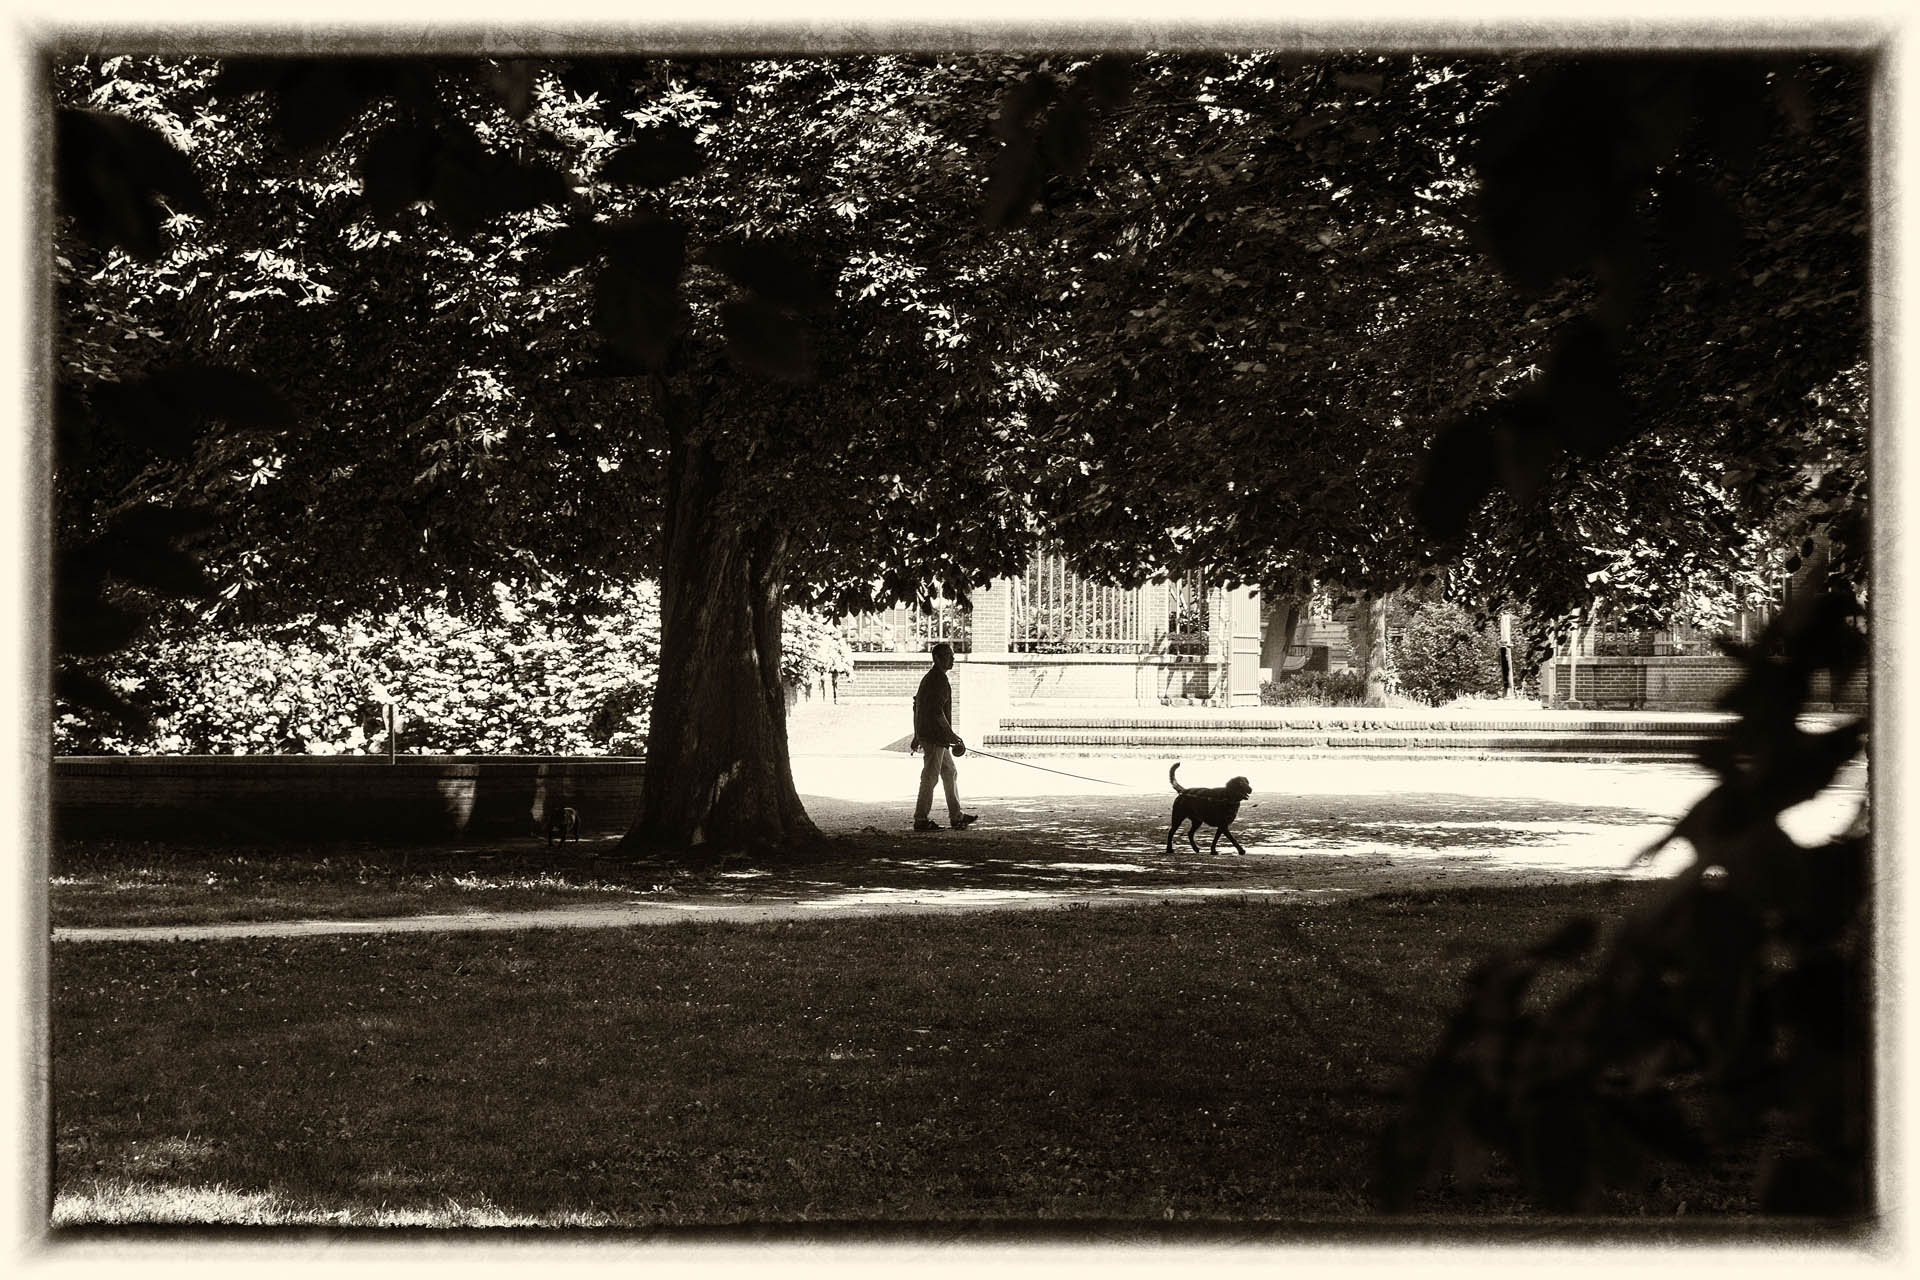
{"x":933,"y":735}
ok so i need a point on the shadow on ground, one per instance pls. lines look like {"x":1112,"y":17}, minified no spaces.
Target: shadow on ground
{"x":1036,"y":844}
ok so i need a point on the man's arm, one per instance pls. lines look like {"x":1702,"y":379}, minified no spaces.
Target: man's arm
{"x":946,"y":716}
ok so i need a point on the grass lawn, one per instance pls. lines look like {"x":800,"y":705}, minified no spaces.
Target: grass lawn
{"x":1219,"y":1063}
{"x":132,"y":882}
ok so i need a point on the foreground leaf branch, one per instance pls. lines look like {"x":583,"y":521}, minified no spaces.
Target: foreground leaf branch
{"x":1727,"y":1026}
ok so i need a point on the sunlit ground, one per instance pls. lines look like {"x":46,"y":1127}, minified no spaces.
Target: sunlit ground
{"x":1581,"y":818}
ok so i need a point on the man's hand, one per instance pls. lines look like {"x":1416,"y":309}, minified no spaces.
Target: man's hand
{"x":959,"y":747}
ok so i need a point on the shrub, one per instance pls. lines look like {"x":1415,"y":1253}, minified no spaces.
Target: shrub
{"x":533,"y":678}
{"x":1315,"y":689}
{"x":1443,"y":655}
{"x":1532,"y":645}
{"x":812,"y":650}
{"x":250,"y":693}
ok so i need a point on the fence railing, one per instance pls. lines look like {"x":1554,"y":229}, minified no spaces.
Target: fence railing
{"x":1189,"y":615}
{"x":1641,"y":644}
{"x":909,"y":629}
{"x":1055,"y":610}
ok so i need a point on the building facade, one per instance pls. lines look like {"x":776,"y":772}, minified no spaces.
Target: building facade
{"x":1054,"y":636}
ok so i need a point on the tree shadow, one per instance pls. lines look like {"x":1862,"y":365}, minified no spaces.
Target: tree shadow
{"x":1079,"y":843}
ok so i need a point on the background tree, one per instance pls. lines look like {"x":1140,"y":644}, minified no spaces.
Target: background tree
{"x":1692,"y":232}
{"x":1289,"y":300}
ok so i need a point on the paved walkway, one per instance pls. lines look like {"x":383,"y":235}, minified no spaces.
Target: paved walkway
{"x":1315,"y":830}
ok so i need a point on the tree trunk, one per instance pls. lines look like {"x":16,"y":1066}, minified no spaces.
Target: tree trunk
{"x":1360,"y":638}
{"x":1376,"y":628}
{"x":718,"y":775}
{"x":1286,"y":617}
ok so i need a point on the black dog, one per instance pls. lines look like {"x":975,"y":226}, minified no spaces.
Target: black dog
{"x":1215,"y":806}
{"x":564,"y":824}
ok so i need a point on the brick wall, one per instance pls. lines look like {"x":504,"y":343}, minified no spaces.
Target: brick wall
{"x":1673,"y":684}
{"x":895,"y":678}
{"x":339,"y":797}
{"x":992,"y":617}
{"x":878,"y":676}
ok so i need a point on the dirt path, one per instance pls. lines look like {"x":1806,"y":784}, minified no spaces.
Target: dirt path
{"x":1315,"y":831}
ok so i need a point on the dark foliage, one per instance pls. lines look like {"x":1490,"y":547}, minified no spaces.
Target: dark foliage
{"x":96,"y":608}
{"x":1733,"y":1019}
{"x":1046,"y":132}
{"x":1729,"y":1023}
{"x":661,"y":155}
{"x":117,"y":178}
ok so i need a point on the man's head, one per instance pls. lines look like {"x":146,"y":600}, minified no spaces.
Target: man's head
{"x":943,"y":655}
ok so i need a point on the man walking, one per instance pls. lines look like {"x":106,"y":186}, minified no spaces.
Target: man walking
{"x":933,"y":734}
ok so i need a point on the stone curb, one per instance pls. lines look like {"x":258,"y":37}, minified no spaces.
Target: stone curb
{"x":1369,"y":723}
{"x":1490,"y":742}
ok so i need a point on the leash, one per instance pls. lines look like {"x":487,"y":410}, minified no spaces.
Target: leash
{"x":975,"y":751}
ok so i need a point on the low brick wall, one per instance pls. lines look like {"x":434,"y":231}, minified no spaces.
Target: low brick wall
{"x":1672,"y":683}
{"x":414,"y":798}
{"x":880,"y":676}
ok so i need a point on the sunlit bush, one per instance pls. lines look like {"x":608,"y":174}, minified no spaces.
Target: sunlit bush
{"x":1315,"y":689}
{"x":1445,"y":654}
{"x":531,"y":677}
{"x":813,"y":652}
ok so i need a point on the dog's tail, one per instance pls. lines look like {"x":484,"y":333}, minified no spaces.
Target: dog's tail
{"x":1175,"y":781}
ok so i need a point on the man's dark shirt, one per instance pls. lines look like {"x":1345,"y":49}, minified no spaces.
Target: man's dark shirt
{"x":933,"y":710}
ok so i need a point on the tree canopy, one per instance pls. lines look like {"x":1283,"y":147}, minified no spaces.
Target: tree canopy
{"x":467,"y":396}
{"x":1326,"y":320}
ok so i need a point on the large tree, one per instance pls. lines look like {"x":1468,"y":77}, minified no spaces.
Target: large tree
{"x":735,"y":324}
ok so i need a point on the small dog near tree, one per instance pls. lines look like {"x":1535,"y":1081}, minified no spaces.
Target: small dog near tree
{"x":563,"y":824}
{"x":1217,"y":807}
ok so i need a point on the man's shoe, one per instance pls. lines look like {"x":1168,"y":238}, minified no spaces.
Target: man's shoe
{"x":926,"y":824}
{"x":965,"y":820}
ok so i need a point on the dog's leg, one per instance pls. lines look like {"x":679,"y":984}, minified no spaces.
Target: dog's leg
{"x":1236,"y":843}
{"x":1170,"y":830}
{"x":1193,"y":828}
